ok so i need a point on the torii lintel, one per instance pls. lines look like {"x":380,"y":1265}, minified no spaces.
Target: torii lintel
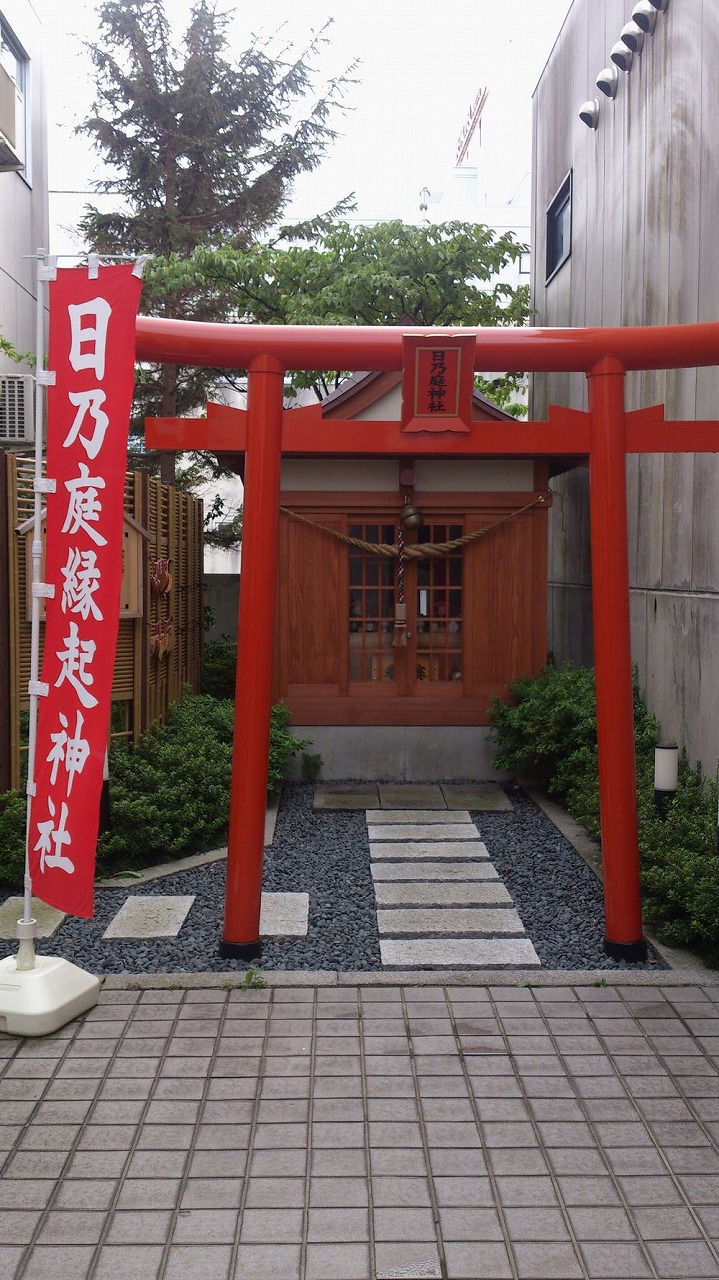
{"x":306,"y":433}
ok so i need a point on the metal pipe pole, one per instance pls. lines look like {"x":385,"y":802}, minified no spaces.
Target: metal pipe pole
{"x":255,"y":649}
{"x":613,"y":663}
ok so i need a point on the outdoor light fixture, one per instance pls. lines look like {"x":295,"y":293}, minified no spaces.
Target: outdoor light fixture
{"x":622,"y":55}
{"x":608,"y":81}
{"x":645,"y":16}
{"x":666,"y":767}
{"x":633,"y":37}
{"x":589,"y":113}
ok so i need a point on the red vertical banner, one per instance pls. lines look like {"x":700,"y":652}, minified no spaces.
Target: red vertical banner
{"x":92,"y":355}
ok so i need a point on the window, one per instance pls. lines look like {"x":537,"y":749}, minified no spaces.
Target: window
{"x":371,"y":605}
{"x":434,"y":599}
{"x":14,"y":100}
{"x":559,"y":228}
{"x":439,"y":607}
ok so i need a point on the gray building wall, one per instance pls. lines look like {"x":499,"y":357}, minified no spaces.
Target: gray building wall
{"x":23,"y":195}
{"x":645,"y":250}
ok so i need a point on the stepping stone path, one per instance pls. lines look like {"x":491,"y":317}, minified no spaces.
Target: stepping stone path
{"x":440,"y":901}
{"x":460,"y":914}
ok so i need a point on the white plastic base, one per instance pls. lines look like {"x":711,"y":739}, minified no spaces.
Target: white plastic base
{"x":35,"y":1002}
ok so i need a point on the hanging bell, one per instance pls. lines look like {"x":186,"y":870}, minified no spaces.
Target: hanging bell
{"x":411,"y":517}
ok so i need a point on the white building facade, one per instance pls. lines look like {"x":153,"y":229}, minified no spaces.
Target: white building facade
{"x":23,"y":206}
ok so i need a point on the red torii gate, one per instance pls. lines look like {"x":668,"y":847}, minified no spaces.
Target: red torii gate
{"x":604,"y":434}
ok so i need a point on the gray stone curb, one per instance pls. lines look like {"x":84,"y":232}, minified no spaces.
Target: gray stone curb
{"x":413,"y":978}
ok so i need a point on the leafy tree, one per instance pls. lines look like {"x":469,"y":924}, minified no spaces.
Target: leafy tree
{"x":203,"y":150}
{"x":445,"y":274}
{"x":17,"y":357}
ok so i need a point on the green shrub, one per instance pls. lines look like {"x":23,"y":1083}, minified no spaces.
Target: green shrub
{"x":12,"y":839}
{"x":680,"y":869}
{"x":549,"y":731}
{"x":219,"y":663}
{"x":169,"y":794}
{"x":283,"y":746}
{"x":551,"y":717}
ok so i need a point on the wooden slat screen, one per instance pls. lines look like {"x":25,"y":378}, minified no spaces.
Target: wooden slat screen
{"x":145,"y":685}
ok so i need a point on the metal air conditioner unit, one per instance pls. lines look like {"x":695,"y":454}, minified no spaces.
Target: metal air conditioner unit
{"x":17,"y":410}
{"x":9,"y":158}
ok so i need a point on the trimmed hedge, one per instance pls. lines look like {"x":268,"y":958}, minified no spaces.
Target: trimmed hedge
{"x":169,"y":795}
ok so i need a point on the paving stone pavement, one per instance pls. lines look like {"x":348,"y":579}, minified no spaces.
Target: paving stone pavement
{"x":340,"y":1127}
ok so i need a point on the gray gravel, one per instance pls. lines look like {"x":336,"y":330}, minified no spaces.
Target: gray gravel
{"x":559,"y":898}
{"x":326,"y":854}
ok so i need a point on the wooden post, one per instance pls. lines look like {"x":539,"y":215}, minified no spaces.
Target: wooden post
{"x":613,"y":664}
{"x":255,"y":647}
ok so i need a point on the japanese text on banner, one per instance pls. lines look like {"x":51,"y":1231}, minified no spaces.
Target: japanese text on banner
{"x":91,"y":352}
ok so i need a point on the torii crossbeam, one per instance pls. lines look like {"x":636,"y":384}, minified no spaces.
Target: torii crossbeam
{"x":604,"y":435}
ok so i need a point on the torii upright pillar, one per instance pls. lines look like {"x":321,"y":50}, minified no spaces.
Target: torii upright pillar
{"x":255,"y":647}
{"x":613,"y":661}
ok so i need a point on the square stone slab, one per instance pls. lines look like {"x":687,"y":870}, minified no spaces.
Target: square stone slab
{"x":284,"y":915}
{"x":428,"y":849}
{"x":328,"y":796}
{"x":423,"y":796}
{"x":458,"y":953}
{"x":48,"y":918}
{"x":429,"y":817}
{"x":427,"y":831}
{"x":425,"y":871}
{"x":480,"y":922}
{"x":487,"y":795}
{"x":404,"y":893}
{"x":150,"y":916}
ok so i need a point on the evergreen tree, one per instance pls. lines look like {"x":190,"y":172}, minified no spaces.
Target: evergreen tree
{"x":203,"y":148}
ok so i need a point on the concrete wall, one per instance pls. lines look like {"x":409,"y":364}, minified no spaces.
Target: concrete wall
{"x":222,"y":597}
{"x":23,"y":196}
{"x":400,"y":752}
{"x":645,"y":250}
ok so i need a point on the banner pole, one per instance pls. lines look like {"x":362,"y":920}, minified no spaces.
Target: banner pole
{"x":27,"y":927}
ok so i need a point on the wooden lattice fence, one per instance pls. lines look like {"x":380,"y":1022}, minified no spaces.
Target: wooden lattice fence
{"x":159,"y":648}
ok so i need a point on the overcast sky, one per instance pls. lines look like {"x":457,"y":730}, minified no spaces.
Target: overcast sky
{"x":421,"y":65}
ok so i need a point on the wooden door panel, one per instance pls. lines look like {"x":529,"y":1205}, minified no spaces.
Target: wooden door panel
{"x":311,"y":623}
{"x":502,"y":617}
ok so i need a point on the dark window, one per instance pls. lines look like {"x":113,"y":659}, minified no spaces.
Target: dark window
{"x":559,"y":228}
{"x":14,"y":99}
{"x":439,"y":607}
{"x":371,"y":605}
